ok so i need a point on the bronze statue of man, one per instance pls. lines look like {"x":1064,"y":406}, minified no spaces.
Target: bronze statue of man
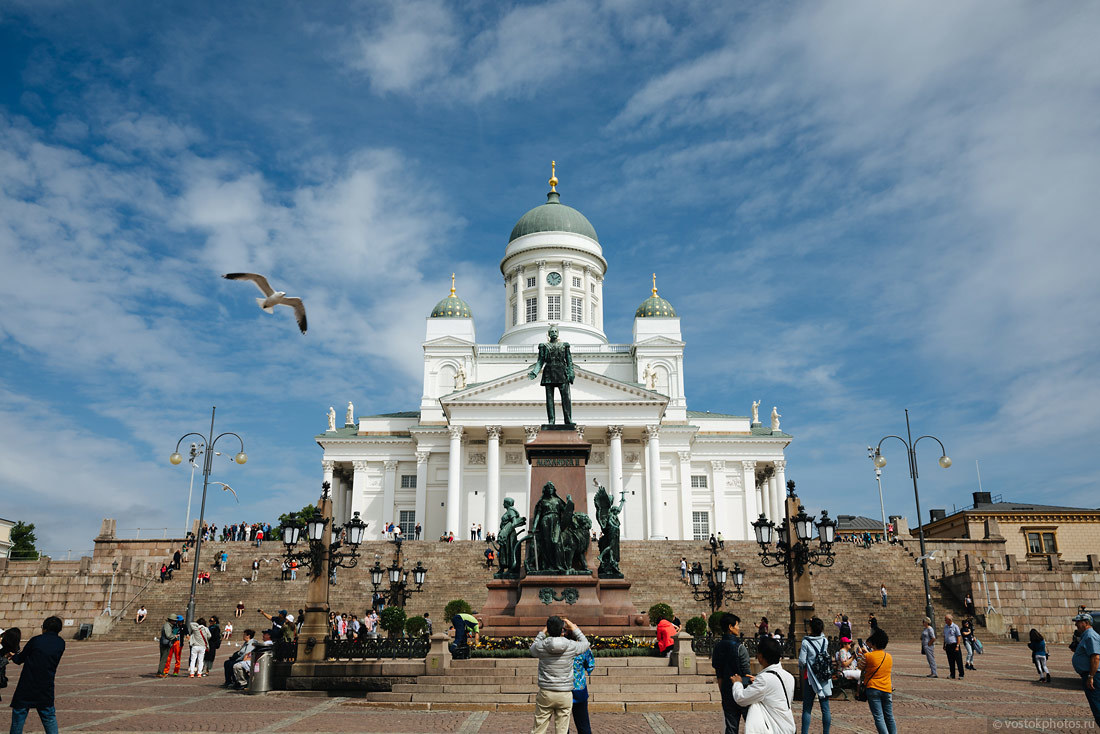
{"x":556,"y":364}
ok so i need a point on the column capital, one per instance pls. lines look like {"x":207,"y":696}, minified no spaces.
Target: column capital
{"x":494,"y":432}
{"x":540,"y":264}
{"x":328,"y":465}
{"x":580,"y":432}
{"x":455,"y":432}
{"x":615,"y":432}
{"x":422,"y":457}
{"x":652,"y":431}
{"x":718,"y":465}
{"x":748,"y":465}
{"x":390,"y":464}
{"x":360,"y":465}
{"x":685,"y":456}
{"x":780,"y":464}
{"x":532,"y":433}
{"x":566,"y":263}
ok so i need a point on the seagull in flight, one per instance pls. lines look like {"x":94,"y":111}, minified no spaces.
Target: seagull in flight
{"x":272,"y":297}
{"x":929,"y":556}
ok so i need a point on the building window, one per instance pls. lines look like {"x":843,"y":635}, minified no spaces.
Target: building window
{"x":532,"y":310}
{"x":530,"y":282}
{"x":1041,"y":543}
{"x":576,"y":282}
{"x":515,"y":285}
{"x":698,"y":481}
{"x":407,"y":522}
{"x":515,"y":313}
{"x":592,"y":287}
{"x":553,"y":308}
{"x":577,"y":309}
{"x":408,"y":481}
{"x":700,"y":525}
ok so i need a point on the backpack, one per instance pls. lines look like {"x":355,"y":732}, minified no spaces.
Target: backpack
{"x":846,"y":630}
{"x":822,"y":664}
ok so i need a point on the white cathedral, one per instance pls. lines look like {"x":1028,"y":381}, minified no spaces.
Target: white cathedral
{"x":450,"y":464}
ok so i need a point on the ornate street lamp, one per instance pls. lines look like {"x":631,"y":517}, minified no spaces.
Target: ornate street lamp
{"x":400,"y":590}
{"x":715,"y":591}
{"x":316,"y":557}
{"x":205,"y":446}
{"x":911,"y":454}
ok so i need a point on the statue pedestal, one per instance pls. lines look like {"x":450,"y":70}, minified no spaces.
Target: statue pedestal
{"x":598,"y":606}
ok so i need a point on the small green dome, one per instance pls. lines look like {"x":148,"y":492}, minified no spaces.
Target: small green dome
{"x":553,"y":216}
{"x":452,"y":307}
{"x":655,"y":306}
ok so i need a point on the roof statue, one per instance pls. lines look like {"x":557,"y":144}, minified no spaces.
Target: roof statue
{"x":775,"y":419}
{"x":349,"y":417}
{"x":756,"y":412}
{"x":331,"y":418}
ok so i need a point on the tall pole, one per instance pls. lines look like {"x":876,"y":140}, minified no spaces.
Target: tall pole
{"x":315,"y":626}
{"x":111,"y":593}
{"x":190,"y":486}
{"x":207,"y":455}
{"x":791,"y":535}
{"x":881,"y":504}
{"x":928,"y":610}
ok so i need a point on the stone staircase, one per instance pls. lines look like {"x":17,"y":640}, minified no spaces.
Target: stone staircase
{"x":509,"y":684}
{"x":457,"y":571}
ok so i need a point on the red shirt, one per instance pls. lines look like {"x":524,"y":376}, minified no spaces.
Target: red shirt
{"x":665,"y":630}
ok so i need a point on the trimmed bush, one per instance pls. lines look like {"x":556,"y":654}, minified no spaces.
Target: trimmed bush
{"x":414,"y":626}
{"x":715,"y":623}
{"x":393,"y":620}
{"x":456,"y":606}
{"x":696,"y":627}
{"x":659,"y":611}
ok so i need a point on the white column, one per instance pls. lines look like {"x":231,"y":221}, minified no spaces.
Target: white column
{"x":337,"y":497}
{"x":653,"y":459}
{"x":585,"y":280}
{"x":773,"y":494}
{"x":748,"y":469}
{"x":389,"y":489}
{"x":780,"y":486}
{"x":493,"y":508}
{"x":421,"y":507}
{"x":685,"y":495}
{"x":454,"y":482}
{"x":540,"y":282}
{"x":359,"y":499}
{"x":566,"y":292}
{"x":531,"y":433}
{"x":615,"y":464}
{"x":718,"y":493}
{"x":521,"y":295}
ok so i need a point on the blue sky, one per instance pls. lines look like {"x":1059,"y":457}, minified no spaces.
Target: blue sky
{"x":855,"y":207}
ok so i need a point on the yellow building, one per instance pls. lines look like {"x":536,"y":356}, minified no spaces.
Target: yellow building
{"x":1029,"y":530}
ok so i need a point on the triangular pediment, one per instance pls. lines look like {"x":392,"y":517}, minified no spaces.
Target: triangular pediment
{"x":588,"y":389}
{"x":660,"y":341}
{"x":448,"y":341}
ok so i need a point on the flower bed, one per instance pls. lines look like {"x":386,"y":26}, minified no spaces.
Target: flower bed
{"x":518,"y":647}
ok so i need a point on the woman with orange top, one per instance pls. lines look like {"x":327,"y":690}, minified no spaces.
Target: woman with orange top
{"x":877,"y":665}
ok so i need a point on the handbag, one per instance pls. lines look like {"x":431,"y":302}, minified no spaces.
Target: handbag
{"x":978,"y":645}
{"x":861,"y":687}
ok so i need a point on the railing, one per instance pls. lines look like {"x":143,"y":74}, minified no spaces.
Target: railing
{"x":376,"y":648}
{"x":55,"y":554}
{"x":284,"y":652}
{"x":704,"y":646}
{"x":533,"y":348}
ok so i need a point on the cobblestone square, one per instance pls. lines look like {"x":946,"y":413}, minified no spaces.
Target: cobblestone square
{"x":108,"y":687}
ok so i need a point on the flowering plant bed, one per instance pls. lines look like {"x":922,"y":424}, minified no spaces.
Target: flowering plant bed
{"x":517,"y":646}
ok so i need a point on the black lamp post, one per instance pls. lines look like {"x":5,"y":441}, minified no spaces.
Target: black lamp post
{"x":715,"y":590}
{"x":400,"y":589}
{"x":911,"y":454}
{"x":316,"y":556}
{"x":796,"y":554}
{"x":207,"y":444}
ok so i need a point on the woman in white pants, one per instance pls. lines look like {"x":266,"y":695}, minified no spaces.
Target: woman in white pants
{"x":199,"y":639}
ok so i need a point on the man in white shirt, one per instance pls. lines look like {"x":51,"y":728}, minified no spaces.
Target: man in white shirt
{"x":772,"y":689}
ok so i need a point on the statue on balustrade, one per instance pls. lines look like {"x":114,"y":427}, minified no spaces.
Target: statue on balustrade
{"x":508,"y":541}
{"x":607,"y":516}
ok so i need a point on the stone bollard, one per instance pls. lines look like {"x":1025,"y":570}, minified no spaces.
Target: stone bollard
{"x":682,"y":657}
{"x":439,"y":656}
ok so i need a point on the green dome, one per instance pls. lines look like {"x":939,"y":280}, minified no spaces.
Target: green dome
{"x":655,"y":306}
{"x":452,"y":307}
{"x":553,"y":216}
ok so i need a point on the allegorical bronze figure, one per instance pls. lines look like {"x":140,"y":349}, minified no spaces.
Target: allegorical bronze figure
{"x":556,"y":364}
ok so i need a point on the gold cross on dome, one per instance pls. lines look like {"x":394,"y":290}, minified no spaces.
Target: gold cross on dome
{"x":553,"y":176}
{"x":452,"y":284}
{"x":655,"y":284}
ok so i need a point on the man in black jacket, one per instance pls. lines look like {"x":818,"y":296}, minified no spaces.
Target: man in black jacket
{"x":39,"y":658}
{"x":730,"y":661}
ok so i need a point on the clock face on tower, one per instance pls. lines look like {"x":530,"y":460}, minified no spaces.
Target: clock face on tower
{"x":553,"y":278}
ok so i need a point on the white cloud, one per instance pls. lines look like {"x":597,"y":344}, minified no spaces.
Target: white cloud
{"x":419,"y":42}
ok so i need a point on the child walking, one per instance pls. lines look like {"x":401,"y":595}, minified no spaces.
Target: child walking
{"x":1038,"y":647}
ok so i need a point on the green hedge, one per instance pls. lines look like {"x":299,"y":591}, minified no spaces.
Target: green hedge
{"x":660,"y":611}
{"x":696,"y":627}
{"x":393,"y":620}
{"x":414,"y":626}
{"x":456,"y":606}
